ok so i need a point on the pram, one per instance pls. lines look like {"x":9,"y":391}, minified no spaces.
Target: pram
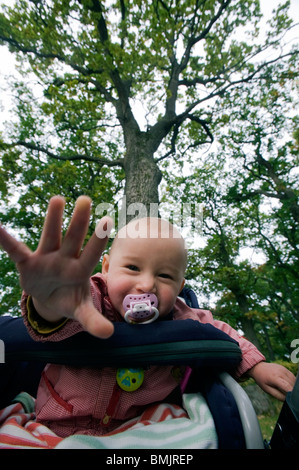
{"x":208,"y":353}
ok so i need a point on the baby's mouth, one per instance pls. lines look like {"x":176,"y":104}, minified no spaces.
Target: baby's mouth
{"x":141,"y":308}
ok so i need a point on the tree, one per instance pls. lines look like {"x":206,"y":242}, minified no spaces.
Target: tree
{"x":255,"y":163}
{"x":94,"y":62}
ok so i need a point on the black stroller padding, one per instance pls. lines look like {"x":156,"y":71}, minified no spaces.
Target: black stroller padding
{"x":161,"y":343}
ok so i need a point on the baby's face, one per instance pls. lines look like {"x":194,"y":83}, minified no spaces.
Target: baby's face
{"x":139,"y":265}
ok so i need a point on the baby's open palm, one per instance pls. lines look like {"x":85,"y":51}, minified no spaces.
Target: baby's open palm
{"x":56,"y":275}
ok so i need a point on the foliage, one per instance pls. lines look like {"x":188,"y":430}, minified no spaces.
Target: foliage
{"x":249,"y":191}
{"x":114,"y":97}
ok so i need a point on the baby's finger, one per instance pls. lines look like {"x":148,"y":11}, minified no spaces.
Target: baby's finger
{"x":286,"y":385}
{"x":280,"y":387}
{"x":93,"y":321}
{"x":96,"y":244}
{"x":17,"y":251}
{"x":51,"y":235}
{"x":291,"y":379}
{"x":78,"y":227}
{"x":276,"y":393}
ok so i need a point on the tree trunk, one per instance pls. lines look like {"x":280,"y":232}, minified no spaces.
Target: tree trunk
{"x":143,"y":177}
{"x":250,"y":334}
{"x":271,"y":355}
{"x":247,"y":323}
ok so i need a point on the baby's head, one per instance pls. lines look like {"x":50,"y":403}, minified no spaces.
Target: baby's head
{"x":147,"y":256}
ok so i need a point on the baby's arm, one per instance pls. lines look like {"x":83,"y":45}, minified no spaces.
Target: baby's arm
{"x":56,"y":275}
{"x":273,"y":379}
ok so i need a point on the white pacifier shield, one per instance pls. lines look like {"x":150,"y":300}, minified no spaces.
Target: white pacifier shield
{"x":141,"y":308}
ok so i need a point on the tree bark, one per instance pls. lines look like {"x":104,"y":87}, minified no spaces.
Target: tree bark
{"x":143,"y":175}
{"x":246,"y":323}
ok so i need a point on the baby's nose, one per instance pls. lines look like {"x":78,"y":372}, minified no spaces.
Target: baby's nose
{"x":146,"y":283}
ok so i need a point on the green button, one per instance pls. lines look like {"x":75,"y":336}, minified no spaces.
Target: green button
{"x":129,"y":380}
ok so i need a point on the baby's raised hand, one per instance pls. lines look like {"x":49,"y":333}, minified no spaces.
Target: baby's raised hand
{"x":56,"y":275}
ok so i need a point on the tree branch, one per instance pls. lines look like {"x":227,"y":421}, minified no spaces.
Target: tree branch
{"x":194,"y":40}
{"x":122,"y":105}
{"x":283,"y":193}
{"x":74,"y":157}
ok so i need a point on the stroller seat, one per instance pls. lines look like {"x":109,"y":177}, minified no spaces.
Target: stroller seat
{"x":207,"y":351}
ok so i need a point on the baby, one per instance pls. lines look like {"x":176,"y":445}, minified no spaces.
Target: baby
{"x":60,"y":299}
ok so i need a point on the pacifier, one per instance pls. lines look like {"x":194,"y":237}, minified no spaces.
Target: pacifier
{"x":141,"y":308}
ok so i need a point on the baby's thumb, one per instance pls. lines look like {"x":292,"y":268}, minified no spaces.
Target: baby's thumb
{"x":93,"y":321}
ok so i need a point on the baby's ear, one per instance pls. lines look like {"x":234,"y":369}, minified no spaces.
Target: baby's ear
{"x":105,"y":264}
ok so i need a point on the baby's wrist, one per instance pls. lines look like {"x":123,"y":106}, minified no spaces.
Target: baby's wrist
{"x":252,"y":372}
{"x":38,"y":323}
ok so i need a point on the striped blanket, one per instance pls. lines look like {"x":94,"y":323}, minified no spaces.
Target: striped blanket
{"x":161,"y":426}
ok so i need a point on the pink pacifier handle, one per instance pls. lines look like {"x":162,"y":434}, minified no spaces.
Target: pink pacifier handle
{"x":141,"y":308}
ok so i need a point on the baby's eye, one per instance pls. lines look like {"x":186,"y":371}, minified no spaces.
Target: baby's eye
{"x":132,"y":267}
{"x":165,"y":276}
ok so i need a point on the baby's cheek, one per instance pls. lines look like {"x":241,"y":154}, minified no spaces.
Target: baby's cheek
{"x":166,"y":304}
